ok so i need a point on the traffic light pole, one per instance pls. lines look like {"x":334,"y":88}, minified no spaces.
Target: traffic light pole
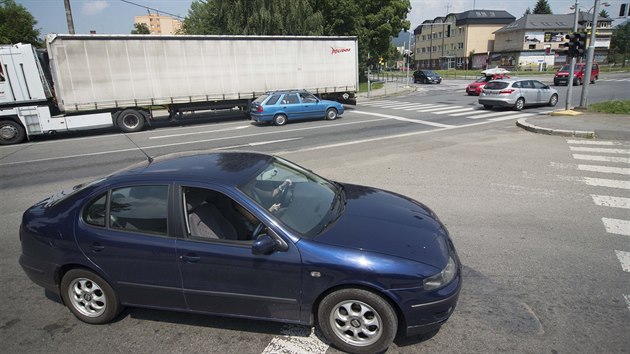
{"x":573,"y":60}
{"x":589,"y":57}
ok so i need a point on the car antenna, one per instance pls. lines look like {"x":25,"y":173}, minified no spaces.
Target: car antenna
{"x":139,"y":148}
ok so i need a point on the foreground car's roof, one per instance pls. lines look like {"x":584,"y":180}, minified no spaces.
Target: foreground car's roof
{"x":224,"y":167}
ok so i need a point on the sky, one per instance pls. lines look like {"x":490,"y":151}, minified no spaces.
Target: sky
{"x":116,"y":16}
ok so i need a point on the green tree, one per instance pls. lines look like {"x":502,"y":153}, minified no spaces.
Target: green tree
{"x":542,"y":8}
{"x":253,"y":17}
{"x":604,"y":13}
{"x":528,"y":11}
{"x":17,"y":24}
{"x":620,"y":44}
{"x":140,"y":28}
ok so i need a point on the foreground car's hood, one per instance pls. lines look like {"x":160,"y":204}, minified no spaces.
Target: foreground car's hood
{"x":378,"y":221}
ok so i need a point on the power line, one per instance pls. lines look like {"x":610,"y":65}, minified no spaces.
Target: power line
{"x":150,"y":8}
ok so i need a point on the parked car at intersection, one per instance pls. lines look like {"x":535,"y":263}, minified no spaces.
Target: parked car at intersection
{"x":279,"y":107}
{"x":475,"y":87}
{"x":579,"y":71}
{"x":517,"y":93}
{"x":246,"y":235}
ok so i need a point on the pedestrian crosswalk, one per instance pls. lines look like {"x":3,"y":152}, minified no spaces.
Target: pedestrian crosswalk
{"x":469,"y":112}
{"x":608,"y":162}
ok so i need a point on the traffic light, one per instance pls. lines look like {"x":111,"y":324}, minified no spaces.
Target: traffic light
{"x":576,"y":44}
{"x":581,"y":44}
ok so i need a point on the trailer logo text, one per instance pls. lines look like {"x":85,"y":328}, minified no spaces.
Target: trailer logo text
{"x":339,"y":50}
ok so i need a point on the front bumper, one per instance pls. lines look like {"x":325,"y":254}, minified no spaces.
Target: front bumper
{"x":426,"y":317}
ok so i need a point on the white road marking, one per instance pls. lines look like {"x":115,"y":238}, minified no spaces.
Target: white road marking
{"x":627,"y":298}
{"x":473,"y":111}
{"x":431,"y":109}
{"x":428,"y":105}
{"x":488,"y":115}
{"x":624,"y":258}
{"x":609,"y":201}
{"x":296,"y":339}
{"x":601,"y":158}
{"x":513,"y":116}
{"x":411,"y":106}
{"x":193,"y":142}
{"x":593,"y":142}
{"x":418,"y":121}
{"x":600,"y":150}
{"x":605,"y":169}
{"x":466,"y":109}
{"x":199,"y":132}
{"x":617,"y":226}
{"x":601,"y":182}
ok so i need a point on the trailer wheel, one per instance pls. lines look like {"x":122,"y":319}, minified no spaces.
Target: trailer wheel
{"x":130,"y":120}
{"x":11,"y":132}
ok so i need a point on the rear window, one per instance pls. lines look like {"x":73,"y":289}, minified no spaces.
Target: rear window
{"x":496,"y":85}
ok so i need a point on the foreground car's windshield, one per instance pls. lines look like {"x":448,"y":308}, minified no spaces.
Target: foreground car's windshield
{"x":303,"y":201}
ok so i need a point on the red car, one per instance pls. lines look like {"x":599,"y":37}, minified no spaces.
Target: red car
{"x":475,"y":87}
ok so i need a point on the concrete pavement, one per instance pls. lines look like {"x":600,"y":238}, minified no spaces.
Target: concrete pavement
{"x":586,"y":125}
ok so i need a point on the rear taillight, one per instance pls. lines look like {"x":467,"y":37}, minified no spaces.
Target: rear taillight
{"x":506,"y":92}
{"x":260,"y":109}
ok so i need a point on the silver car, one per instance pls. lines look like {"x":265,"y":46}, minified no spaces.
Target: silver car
{"x":517,"y":93}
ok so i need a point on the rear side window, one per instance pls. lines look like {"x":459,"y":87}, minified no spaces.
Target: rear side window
{"x":261,"y":98}
{"x":291,"y":99}
{"x":273,"y":100}
{"x":140,"y":209}
{"x":496,"y":85}
{"x":94,"y":213}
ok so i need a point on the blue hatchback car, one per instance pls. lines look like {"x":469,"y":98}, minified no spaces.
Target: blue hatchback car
{"x":279,"y":107}
{"x":246,"y":235}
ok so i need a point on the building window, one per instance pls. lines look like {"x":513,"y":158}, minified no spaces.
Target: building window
{"x":461,"y":45}
{"x":532,"y":46}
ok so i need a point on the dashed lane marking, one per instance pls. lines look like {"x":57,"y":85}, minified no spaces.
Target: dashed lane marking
{"x":605,"y":169}
{"x":601,"y":158}
{"x":599,"y":150}
{"x":602,"y":182}
{"x":296,"y":339}
{"x":624,"y":258}
{"x":610,"y":201}
{"x":617,"y":226}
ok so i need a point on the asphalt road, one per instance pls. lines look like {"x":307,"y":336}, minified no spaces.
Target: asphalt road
{"x":542,"y":269}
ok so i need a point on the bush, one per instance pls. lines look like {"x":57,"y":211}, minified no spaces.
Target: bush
{"x":616,"y":107}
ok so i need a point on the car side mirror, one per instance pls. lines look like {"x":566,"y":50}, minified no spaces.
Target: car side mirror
{"x":267,"y":244}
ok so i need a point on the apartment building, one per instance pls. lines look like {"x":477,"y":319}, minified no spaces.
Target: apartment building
{"x":159,"y":24}
{"x":449,"y":42}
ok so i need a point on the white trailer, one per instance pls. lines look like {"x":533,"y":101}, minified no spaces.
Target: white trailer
{"x":95,"y":81}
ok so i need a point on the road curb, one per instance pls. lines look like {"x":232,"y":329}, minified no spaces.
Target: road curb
{"x":522,"y":123}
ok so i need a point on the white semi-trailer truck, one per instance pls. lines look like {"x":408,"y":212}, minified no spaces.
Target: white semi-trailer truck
{"x":95,"y":81}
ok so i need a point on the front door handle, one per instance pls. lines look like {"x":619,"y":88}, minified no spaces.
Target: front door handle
{"x":97,"y":247}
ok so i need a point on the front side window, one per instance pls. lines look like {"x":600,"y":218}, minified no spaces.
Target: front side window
{"x":308,"y":98}
{"x":139,"y":209}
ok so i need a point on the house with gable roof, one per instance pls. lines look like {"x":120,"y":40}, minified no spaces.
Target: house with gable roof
{"x":537,"y":41}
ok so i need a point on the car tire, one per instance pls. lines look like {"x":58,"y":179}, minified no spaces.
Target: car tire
{"x":426,"y":81}
{"x":11,"y":132}
{"x":331,"y":114}
{"x":369,"y":314}
{"x":487,"y":106}
{"x":519,"y":104}
{"x":89,"y":297}
{"x":130,"y":120}
{"x":553,"y":100}
{"x":579,"y":82}
{"x":280,"y":119}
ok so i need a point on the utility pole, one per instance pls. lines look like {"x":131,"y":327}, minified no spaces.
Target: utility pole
{"x":589,"y":57}
{"x":69,"y":16}
{"x":572,"y":69}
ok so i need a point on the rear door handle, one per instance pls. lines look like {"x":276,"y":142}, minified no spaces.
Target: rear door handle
{"x":97,"y":247}
{"x":190,"y":258}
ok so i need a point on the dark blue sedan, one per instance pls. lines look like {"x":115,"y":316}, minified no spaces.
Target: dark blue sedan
{"x":280,"y":107}
{"x":246,"y":235}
